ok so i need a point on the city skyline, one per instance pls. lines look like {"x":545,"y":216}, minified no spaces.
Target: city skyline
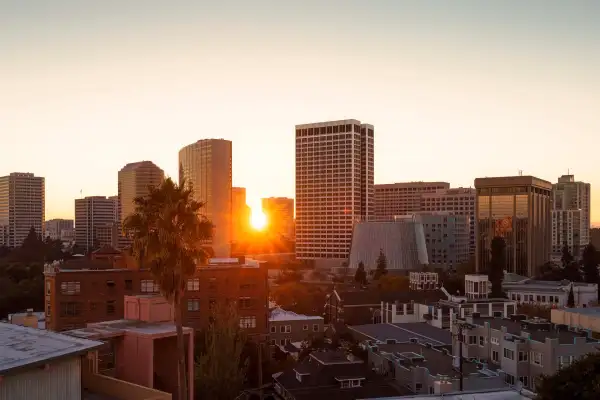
{"x":439,"y":83}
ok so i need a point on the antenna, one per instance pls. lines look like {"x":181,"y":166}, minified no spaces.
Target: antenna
{"x":520,"y":172}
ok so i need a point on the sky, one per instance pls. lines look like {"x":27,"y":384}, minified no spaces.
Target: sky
{"x":456,"y":90}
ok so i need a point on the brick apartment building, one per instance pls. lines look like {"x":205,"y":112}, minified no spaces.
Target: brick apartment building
{"x":82,"y":290}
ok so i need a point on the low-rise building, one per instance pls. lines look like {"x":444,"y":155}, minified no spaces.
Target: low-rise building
{"x":141,"y":348}
{"x":426,"y":370}
{"x":42,"y":365}
{"x":333,"y":375}
{"x":523,"y":348}
{"x":549,"y":293}
{"x":29,"y":318}
{"x":286,"y":327}
{"x":423,"y":280}
{"x":587,"y":319}
{"x":418,"y":332}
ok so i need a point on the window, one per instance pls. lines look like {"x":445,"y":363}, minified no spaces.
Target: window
{"x":193,"y":285}
{"x":472,"y":339}
{"x":248,"y":322}
{"x":355,"y":382}
{"x":537,"y":358}
{"x":70,"y":288}
{"x":149,"y":286}
{"x":523,"y":356}
{"x":128,"y":284}
{"x":495,"y":341}
{"x":212,"y":303}
{"x":70,"y":309}
{"x":273,"y":342}
{"x":510,"y":379}
{"x":110,"y":307}
{"x":246,"y":303}
{"x":273,"y":329}
{"x":315,"y":328}
{"x":345,"y":384}
{"x":510,"y":354}
{"x":495,"y":356}
{"x":285,"y":328}
{"x":418,"y":386}
{"x":524,"y":380}
{"x":304,"y":327}
{"x":48,"y":288}
{"x":193,"y":305}
{"x":481,"y":341}
{"x":110,"y":284}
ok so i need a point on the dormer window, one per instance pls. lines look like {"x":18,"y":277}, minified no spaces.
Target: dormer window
{"x":346,"y":383}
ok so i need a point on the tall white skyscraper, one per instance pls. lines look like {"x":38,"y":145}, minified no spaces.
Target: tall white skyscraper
{"x":334,"y":187}
{"x":570,"y":215}
{"x":22,"y":206}
{"x":206,"y":166}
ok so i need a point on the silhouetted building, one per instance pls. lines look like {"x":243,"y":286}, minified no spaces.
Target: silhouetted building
{"x":402,"y":198}
{"x":240,"y":214}
{"x":93,"y":214}
{"x":280,"y":215}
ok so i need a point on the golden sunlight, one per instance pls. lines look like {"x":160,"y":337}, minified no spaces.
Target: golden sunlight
{"x":258,"y":219}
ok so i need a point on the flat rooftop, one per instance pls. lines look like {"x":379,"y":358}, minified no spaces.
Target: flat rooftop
{"x":591,"y":311}
{"x":279,"y":314}
{"x":499,"y":394}
{"x":23,"y":347}
{"x":403,"y":333}
{"x":119,"y":327}
{"x":516,"y":327}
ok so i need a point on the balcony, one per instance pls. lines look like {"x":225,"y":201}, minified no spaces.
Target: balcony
{"x":101,"y":387}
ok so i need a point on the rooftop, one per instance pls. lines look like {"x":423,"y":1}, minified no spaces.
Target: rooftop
{"x":119,"y":327}
{"x":403,"y":333}
{"x":538,"y":330}
{"x":591,"y":311}
{"x":232,"y":262}
{"x":498,"y":394}
{"x":366,"y":297}
{"x":23,"y":347}
{"x":279,"y":314}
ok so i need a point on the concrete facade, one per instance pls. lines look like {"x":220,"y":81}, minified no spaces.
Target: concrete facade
{"x":92,"y":214}
{"x":288,"y":327}
{"x":571,"y":215}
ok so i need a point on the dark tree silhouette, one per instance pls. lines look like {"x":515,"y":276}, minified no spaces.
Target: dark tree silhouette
{"x":360,"y":276}
{"x":579,"y":381}
{"x":567,"y":257}
{"x":381,"y":265}
{"x":497,"y":265}
{"x":589,"y":260}
{"x":571,"y":298}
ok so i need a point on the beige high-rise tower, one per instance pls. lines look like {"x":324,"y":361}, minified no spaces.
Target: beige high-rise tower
{"x":206,"y":166}
{"x":134,"y":181}
{"x":22,"y":206}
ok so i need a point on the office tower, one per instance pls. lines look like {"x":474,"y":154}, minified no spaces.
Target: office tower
{"x":206,"y":166}
{"x":92,"y":217}
{"x":240,"y":214}
{"x":402,"y":198}
{"x":280,"y":215}
{"x":518,"y":209}
{"x":22,"y":206}
{"x":134,"y":181}
{"x":334,"y":187}
{"x":570,"y":215}
{"x":59,"y":229}
{"x":456,"y":201}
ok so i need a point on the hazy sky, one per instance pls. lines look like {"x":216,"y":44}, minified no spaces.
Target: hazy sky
{"x":455,"y":89}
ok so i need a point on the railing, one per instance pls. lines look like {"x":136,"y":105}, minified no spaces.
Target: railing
{"x":119,"y":389}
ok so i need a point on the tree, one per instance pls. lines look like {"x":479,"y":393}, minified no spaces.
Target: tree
{"x":571,"y":272}
{"x":167,"y":230}
{"x":299,"y":298}
{"x":571,"y":298}
{"x":566,"y":258}
{"x":497,"y":265}
{"x":381,"y":265}
{"x":589,"y":260}
{"x":220,"y":370}
{"x":360,"y":276}
{"x":578,"y":381}
{"x":393,"y":284}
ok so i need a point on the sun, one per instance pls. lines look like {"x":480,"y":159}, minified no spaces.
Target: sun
{"x":258,"y":220}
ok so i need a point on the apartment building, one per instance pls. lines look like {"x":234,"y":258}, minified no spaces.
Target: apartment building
{"x":334,"y":187}
{"x":456,"y":201}
{"x":59,"y":229}
{"x":240,"y":214}
{"x":287,"y":327}
{"x":206,"y":167}
{"x":134,"y":179}
{"x":91,"y":213}
{"x":22,"y":206}
{"x":523,"y":348}
{"x":518,"y":209}
{"x":84,"y":291}
{"x":280,"y":215}
{"x":403,"y":198}
{"x":423,"y":280}
{"x":571,"y":215}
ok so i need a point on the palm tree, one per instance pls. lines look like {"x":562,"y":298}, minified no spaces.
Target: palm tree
{"x":168,"y":231}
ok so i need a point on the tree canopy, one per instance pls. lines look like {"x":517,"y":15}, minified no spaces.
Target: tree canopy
{"x":360,"y":276}
{"x":578,"y":381}
{"x":589,"y":260}
{"x":381,"y":265}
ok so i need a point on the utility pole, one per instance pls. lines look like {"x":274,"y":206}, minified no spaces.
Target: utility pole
{"x":460,"y":326}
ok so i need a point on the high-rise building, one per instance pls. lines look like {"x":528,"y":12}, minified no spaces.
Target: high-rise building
{"x":240,"y":214}
{"x":280,"y":215}
{"x":334,"y":187}
{"x":456,"y":201}
{"x":134,"y":181}
{"x":570,"y":216}
{"x":518,"y":209}
{"x":59,"y":229}
{"x":206,"y":166}
{"x":402,"y":198}
{"x":92,"y":215}
{"x":22,"y":206}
